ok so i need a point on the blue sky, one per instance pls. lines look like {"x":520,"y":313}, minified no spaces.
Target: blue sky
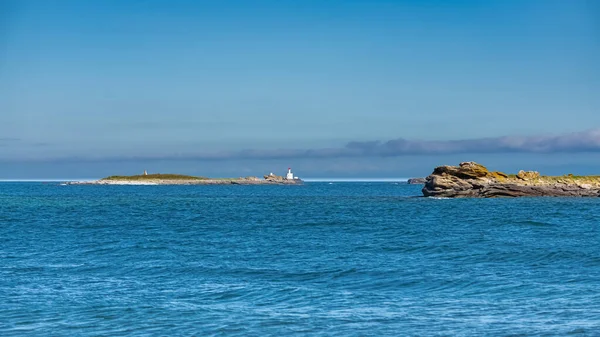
{"x":89,"y":88}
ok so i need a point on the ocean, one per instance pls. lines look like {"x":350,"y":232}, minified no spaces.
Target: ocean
{"x":340,"y":259}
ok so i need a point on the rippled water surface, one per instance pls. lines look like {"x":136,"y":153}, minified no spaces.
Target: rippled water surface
{"x":346,"y":259}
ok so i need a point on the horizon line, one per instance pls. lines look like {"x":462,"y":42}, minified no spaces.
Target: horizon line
{"x":389,"y":179}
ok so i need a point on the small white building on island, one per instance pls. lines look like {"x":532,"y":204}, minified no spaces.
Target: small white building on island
{"x":289,"y":175}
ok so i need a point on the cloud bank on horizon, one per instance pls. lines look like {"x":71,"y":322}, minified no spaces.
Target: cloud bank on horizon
{"x":577,"y":142}
{"x":573,"y":142}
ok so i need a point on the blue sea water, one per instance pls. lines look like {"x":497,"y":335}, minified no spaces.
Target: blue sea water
{"x":342,"y":259}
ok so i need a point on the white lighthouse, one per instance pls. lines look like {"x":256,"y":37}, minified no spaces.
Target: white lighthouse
{"x":289,"y":175}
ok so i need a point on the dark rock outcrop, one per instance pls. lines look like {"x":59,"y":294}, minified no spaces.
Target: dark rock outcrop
{"x":416,"y":181}
{"x":470,"y":179}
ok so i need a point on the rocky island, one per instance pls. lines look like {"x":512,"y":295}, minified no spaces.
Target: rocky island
{"x":178,"y":179}
{"x":416,"y":181}
{"x":470,"y":179}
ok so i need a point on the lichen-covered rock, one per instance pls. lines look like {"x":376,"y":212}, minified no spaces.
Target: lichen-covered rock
{"x":528,"y":175}
{"x":273,"y":177}
{"x":470,"y":179}
{"x":466,"y":170}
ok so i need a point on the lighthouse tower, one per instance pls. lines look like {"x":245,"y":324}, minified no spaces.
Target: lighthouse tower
{"x":289,"y":175}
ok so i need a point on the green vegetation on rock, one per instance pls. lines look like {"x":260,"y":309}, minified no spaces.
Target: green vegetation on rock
{"x":156,"y":176}
{"x":569,"y":178}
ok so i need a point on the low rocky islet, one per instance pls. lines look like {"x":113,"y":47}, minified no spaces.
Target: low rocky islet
{"x":471,"y":179}
{"x":177,"y":179}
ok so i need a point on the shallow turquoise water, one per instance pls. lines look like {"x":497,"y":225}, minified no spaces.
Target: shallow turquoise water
{"x":345,"y":259}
